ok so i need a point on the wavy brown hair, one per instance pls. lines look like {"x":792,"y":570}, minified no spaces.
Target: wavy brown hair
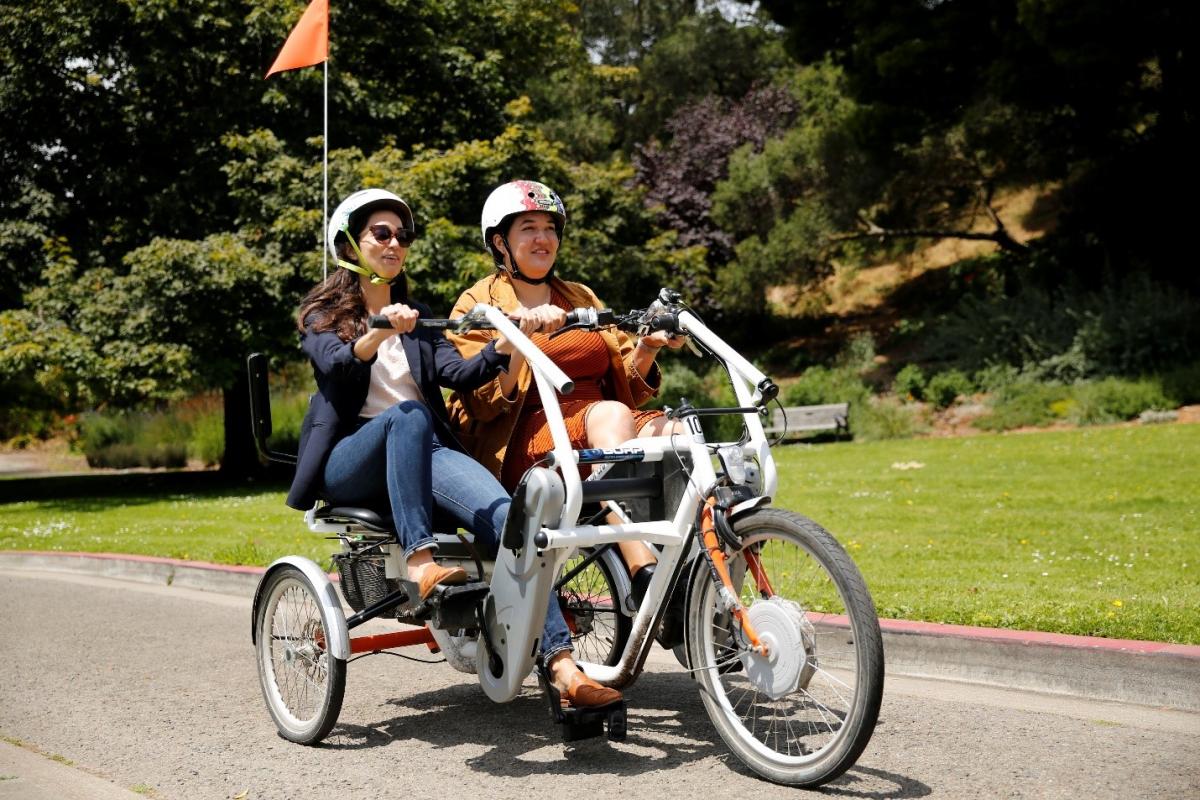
{"x":336,"y":303}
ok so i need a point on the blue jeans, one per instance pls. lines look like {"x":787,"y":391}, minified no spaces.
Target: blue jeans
{"x":396,"y":458}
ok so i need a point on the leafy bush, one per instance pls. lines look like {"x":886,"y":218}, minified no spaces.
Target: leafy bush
{"x":127,"y":439}
{"x":1114,"y":399}
{"x":884,"y":418}
{"x":708,"y":390}
{"x":1070,"y":334}
{"x":287,"y":414}
{"x":910,"y":382}
{"x":1025,"y":403}
{"x":207,"y":442}
{"x":129,"y":455}
{"x":819,"y":385}
{"x":996,"y":377}
{"x":944,"y":387}
{"x":858,"y":354}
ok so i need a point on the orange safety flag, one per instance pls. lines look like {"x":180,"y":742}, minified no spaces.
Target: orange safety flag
{"x":308,"y":42}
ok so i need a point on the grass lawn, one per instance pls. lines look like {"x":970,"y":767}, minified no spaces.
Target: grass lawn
{"x":1091,"y":531}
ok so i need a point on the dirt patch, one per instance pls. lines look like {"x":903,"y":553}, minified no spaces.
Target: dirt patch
{"x":1189,"y":414}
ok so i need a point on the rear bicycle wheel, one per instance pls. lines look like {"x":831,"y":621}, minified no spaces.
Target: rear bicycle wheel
{"x":590,"y":603}
{"x":802,"y":714}
{"x":302,"y":683}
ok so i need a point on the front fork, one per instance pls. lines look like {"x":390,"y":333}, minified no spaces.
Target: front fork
{"x":714,"y":554}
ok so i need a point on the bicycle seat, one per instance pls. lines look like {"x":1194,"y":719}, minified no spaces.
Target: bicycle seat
{"x":374,"y":521}
{"x":369,"y":519}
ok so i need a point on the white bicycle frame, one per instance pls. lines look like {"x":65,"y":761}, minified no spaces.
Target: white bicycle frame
{"x":523,"y":579}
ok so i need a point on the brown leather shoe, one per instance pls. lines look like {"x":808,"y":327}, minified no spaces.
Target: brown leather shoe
{"x":450,"y":576}
{"x":583,"y":692}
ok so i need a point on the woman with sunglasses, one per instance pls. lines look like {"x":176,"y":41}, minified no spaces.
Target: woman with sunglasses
{"x":522,"y":226}
{"x":377,"y":431}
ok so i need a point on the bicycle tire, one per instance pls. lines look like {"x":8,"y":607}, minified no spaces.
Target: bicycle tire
{"x":805,"y":718}
{"x":589,"y":601}
{"x":302,"y":683}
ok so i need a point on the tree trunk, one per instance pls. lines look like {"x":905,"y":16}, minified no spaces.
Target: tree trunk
{"x":240,"y":459}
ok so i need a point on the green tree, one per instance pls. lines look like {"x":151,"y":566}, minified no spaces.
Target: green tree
{"x":959,"y":100}
{"x":115,"y":112}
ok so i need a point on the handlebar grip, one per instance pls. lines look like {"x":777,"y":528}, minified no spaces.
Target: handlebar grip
{"x":583,"y":317}
{"x":380,"y":321}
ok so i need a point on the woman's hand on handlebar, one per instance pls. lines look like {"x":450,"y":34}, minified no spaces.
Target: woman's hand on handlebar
{"x":540,"y":319}
{"x":659,"y":339}
{"x":403,"y":318}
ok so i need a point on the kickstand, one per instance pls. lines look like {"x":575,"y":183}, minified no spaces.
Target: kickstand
{"x":582,"y":723}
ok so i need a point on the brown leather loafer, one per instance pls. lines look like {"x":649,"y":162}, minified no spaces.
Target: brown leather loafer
{"x":583,"y":692}
{"x":450,"y":576}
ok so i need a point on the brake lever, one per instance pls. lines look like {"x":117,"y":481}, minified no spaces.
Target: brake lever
{"x":572,"y":327}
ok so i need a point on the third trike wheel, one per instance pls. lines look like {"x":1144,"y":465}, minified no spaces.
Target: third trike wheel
{"x":802,"y":714}
{"x":590,"y":604}
{"x":302,"y":682}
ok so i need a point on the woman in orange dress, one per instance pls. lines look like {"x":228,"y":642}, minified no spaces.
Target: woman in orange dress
{"x":503,"y":422}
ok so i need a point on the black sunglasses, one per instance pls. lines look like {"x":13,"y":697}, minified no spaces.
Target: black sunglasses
{"x":383,"y":234}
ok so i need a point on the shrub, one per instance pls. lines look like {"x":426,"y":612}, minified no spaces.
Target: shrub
{"x":1070,"y":334}
{"x":884,"y":418}
{"x":819,"y":385}
{"x":207,"y":442}
{"x":129,"y":455}
{"x":1024,"y":403}
{"x":1115,"y":399}
{"x":98,"y":431}
{"x":944,"y":387}
{"x":858,"y":354}
{"x":708,"y":390}
{"x":287,"y":415}
{"x":996,"y":377}
{"x":910,"y":382}
{"x":126,"y":439}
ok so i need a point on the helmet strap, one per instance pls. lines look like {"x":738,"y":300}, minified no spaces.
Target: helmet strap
{"x":365,"y":271}
{"x":516,"y":269}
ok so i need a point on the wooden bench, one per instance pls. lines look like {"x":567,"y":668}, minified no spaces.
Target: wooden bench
{"x":798,"y":420}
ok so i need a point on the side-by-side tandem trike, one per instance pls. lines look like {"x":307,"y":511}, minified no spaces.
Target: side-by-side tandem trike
{"x":763,"y":608}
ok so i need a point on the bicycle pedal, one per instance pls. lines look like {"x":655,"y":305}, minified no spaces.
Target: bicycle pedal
{"x":447,"y":607}
{"x":584,"y":723}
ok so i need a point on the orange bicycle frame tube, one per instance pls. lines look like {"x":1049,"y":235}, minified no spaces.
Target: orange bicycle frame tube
{"x":717,"y":558}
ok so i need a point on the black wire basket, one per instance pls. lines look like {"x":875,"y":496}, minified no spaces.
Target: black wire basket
{"x":363,"y":579}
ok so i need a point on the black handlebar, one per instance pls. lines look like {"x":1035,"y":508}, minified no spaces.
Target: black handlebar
{"x":590,"y":318}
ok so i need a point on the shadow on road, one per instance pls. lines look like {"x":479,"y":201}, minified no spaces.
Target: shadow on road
{"x":875,"y":784}
{"x":668,"y":728}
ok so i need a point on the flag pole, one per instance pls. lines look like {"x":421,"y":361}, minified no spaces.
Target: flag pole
{"x":325,"y":178}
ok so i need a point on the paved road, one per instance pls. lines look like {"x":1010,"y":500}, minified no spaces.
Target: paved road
{"x":155,"y":687}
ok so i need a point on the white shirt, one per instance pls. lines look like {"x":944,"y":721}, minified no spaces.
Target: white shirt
{"x":391,"y":380}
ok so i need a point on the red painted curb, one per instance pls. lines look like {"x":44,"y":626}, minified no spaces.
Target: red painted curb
{"x":900,"y":626}
{"x":1039,"y":638}
{"x":178,"y":562}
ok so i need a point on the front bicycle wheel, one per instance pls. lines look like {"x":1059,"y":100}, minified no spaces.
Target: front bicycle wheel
{"x":302,"y":683}
{"x":589,"y":602}
{"x":802,"y":714}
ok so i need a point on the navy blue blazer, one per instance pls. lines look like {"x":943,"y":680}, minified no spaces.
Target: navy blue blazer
{"x":342,"y":383}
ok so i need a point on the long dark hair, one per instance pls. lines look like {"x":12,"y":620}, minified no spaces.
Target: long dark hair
{"x":336,"y":303}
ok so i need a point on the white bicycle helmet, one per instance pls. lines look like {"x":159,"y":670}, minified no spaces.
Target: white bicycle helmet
{"x":517,"y":197}
{"x":348,"y":216}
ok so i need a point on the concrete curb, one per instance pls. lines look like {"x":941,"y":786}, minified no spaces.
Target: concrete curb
{"x":1125,"y":671}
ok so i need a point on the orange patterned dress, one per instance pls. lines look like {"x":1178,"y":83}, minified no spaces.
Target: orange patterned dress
{"x":583,"y":356}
